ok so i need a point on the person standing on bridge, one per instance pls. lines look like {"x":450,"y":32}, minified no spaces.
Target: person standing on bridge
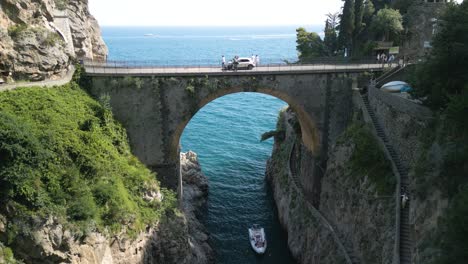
{"x":223,"y":62}
{"x":257,"y":60}
{"x":253,"y":59}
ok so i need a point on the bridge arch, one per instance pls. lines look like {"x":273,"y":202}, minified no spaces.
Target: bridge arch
{"x":309,"y":130}
{"x":156,"y":109}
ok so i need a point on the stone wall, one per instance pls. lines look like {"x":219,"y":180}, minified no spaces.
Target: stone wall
{"x":421,"y":18}
{"x":403,"y":122}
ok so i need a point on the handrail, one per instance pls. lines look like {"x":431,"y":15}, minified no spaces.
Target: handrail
{"x":124,"y":68}
{"x":396,"y":253}
{"x":316,"y":212}
{"x":217,"y":63}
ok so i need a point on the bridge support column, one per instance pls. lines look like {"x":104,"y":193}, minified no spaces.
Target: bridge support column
{"x":170,"y":177}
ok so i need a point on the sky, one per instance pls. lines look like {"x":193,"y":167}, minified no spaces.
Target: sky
{"x":212,"y":12}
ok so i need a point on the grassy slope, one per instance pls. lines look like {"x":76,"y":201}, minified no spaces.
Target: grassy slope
{"x":63,"y":154}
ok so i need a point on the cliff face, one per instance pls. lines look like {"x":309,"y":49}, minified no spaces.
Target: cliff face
{"x":39,"y":38}
{"x":176,"y":238}
{"x":195,"y":197}
{"x":351,"y":201}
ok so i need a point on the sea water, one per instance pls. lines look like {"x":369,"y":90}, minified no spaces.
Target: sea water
{"x":226,"y":132}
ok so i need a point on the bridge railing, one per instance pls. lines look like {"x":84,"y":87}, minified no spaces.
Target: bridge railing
{"x":152,"y":66}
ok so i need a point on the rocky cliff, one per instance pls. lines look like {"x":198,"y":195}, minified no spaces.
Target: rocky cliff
{"x":195,"y":198}
{"x":354,"y":200}
{"x":38,"y":39}
{"x":177,"y":238}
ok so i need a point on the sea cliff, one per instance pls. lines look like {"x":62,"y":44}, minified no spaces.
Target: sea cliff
{"x":354,"y":214}
{"x":40,"y":39}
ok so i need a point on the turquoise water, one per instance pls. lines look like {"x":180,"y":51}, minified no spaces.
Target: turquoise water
{"x":226,"y":132}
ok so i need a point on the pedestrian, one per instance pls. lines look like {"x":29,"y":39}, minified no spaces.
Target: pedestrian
{"x":378,"y":57}
{"x":404,"y":200}
{"x":235,"y":62}
{"x":223,"y":62}
{"x":257,"y":60}
{"x":391,"y":59}
{"x":253,"y":59}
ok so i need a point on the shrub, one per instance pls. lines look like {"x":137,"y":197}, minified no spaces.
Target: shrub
{"x":15,"y":30}
{"x":368,"y":159}
{"x":61,"y":4}
{"x":64,"y":154}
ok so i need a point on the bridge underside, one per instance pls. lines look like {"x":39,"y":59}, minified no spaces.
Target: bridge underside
{"x":155,"y":109}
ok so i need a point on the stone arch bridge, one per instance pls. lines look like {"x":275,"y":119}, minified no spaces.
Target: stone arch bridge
{"x":155,"y":104}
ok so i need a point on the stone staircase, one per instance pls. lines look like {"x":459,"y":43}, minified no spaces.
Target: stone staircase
{"x":404,"y":244}
{"x":388,"y":74}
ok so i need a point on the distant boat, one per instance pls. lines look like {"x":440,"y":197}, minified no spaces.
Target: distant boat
{"x":396,"y":87}
{"x":257,"y":239}
{"x":148,"y":35}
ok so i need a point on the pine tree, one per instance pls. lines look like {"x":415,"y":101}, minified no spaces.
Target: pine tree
{"x":331,"y":39}
{"x":346,"y":25}
{"x":359,"y":13}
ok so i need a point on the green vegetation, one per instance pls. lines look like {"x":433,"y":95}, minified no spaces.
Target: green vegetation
{"x":15,"y":30}
{"x":442,"y":82}
{"x":6,"y":256}
{"x":444,"y":75}
{"x":368,"y":159}
{"x":61,"y":4}
{"x":453,"y":231}
{"x":43,"y":36}
{"x":356,"y":29}
{"x":309,"y":45}
{"x":63,"y":154}
{"x":387,"y":24}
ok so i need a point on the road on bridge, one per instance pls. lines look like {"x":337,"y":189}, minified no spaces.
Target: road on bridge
{"x":97,"y":69}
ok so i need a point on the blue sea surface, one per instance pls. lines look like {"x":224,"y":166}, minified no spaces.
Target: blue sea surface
{"x":200,"y":45}
{"x":226,"y":132}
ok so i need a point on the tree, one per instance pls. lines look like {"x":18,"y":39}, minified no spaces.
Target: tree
{"x":309,"y":45}
{"x":445,"y":73}
{"x":369,"y":11}
{"x":331,"y":39}
{"x":387,"y":24}
{"x":346,"y":27}
{"x":358,"y":15}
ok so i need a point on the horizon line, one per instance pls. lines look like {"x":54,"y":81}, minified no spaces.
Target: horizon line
{"x":218,"y":26}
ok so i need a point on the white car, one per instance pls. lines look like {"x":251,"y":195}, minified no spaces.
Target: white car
{"x":243,"y":63}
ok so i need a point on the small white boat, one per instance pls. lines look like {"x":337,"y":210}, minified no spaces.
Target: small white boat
{"x":148,"y":35}
{"x":257,"y":239}
{"x":396,"y":87}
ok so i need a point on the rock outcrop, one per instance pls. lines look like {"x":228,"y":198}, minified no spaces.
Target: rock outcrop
{"x":195,"y":198}
{"x":39,"y":39}
{"x":363,"y":219}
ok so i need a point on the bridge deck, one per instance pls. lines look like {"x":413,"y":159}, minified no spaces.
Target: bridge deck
{"x":96,"y":69}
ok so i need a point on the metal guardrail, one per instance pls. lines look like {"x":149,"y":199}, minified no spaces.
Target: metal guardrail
{"x":217,"y":63}
{"x":158,"y":68}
